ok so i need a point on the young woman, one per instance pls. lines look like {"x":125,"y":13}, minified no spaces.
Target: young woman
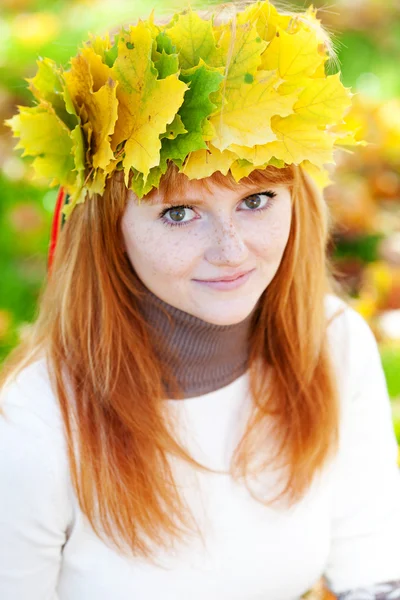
{"x":195,"y":413}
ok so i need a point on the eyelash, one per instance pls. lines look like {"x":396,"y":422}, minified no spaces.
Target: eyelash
{"x":271,"y":196}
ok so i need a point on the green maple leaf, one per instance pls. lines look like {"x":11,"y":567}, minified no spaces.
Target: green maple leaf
{"x":141,"y":187}
{"x":196,"y":107}
{"x":174,"y":129}
{"x":165,"y":43}
{"x":167,"y":64}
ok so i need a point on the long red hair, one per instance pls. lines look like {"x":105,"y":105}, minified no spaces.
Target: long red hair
{"x":108,"y":381}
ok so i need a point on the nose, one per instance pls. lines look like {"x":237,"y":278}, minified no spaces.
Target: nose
{"x":227,"y":246}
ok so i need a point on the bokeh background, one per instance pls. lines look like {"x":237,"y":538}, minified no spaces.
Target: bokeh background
{"x":364,"y":199}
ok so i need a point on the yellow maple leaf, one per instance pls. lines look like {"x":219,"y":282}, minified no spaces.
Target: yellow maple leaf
{"x":320,"y":72}
{"x":241,"y":168}
{"x":99,"y":108}
{"x":202,"y":163}
{"x":239,"y":51}
{"x":98,"y":182}
{"x":99,"y":71}
{"x":245,"y":120}
{"x":299,"y":140}
{"x":76,"y":192}
{"x":354,"y":128}
{"x":319,"y":175}
{"x":310,"y":22}
{"x":293,"y":87}
{"x":266,"y":18}
{"x":100,"y":45}
{"x":146,"y":104}
{"x":294,"y":55}
{"x":323,"y":101}
{"x":151,"y":26}
{"x":44,"y":136}
{"x":258,"y":154}
{"x":94,"y":185}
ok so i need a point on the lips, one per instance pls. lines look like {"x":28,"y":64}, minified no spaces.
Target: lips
{"x":227,"y":278}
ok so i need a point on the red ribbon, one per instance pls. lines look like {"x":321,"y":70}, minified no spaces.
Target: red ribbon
{"x":56,"y":226}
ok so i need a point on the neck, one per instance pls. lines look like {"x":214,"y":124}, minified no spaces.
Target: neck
{"x":202,"y":356}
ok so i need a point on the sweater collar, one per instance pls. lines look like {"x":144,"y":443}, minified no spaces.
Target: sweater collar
{"x":203,"y":356}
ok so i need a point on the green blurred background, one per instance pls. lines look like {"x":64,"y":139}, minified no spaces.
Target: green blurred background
{"x":365,"y":197}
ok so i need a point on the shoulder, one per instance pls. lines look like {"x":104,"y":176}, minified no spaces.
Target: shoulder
{"x":344,"y":321}
{"x":29,"y":401}
{"x":353,"y":344}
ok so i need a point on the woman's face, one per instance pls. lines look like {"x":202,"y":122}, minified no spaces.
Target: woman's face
{"x":217,"y":233}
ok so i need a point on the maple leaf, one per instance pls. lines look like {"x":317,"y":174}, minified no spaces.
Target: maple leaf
{"x":98,"y":108}
{"x":48,"y":85}
{"x":164,"y":42}
{"x":309,"y":21}
{"x":45,"y":136}
{"x":164,"y":55}
{"x":242,"y":168}
{"x":100,"y":44}
{"x":100,"y":72}
{"x":319,"y":175}
{"x":202,"y":81}
{"x":193,"y":38}
{"x":299,"y":140}
{"x":174,"y":129}
{"x":141,"y":187}
{"x":323,"y":100}
{"x":208,"y":130}
{"x":166,"y":64}
{"x":266,"y":19}
{"x":146,"y":104}
{"x":239,"y":51}
{"x":95,"y":184}
{"x":294,"y":55}
{"x":352,"y":130}
{"x":153,"y":28}
{"x":245,"y":120}
{"x":77,"y":192}
{"x":203,"y":163}
{"x":258,"y":154}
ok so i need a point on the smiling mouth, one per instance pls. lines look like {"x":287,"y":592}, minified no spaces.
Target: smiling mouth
{"x":226,"y":285}
{"x":233,"y":278}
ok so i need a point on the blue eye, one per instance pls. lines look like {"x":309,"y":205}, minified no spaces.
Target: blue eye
{"x":177,"y":212}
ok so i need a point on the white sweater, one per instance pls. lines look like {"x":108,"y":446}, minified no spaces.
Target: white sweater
{"x":347,"y":527}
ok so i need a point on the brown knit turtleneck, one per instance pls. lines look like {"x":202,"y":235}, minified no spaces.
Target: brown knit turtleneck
{"x":203,"y":356}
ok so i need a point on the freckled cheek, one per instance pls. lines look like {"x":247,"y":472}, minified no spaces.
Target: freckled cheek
{"x":164,"y":253}
{"x":270,"y":242}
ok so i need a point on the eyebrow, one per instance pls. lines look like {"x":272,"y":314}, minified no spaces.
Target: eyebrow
{"x":174,"y":200}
